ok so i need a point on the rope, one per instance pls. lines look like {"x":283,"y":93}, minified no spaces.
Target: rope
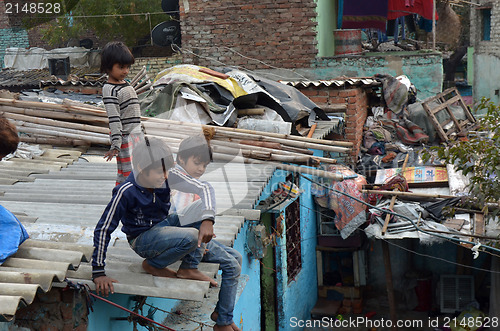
{"x":86,"y":288}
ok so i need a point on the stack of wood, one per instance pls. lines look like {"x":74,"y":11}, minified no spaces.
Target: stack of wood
{"x":73,"y":123}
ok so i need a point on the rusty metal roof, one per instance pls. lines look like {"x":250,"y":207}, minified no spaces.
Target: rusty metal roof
{"x":42,"y":77}
{"x":60,"y":196}
{"x":339,"y":82}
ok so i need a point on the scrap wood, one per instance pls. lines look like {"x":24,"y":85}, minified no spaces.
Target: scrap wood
{"x":393,"y":200}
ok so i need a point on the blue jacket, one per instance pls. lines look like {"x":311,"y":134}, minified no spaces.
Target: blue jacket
{"x":137,"y":208}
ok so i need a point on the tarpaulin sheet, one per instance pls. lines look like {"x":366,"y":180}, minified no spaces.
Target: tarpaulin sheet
{"x":12,"y":234}
{"x":187,"y":73}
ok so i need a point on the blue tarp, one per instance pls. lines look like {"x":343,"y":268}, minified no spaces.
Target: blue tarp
{"x":12,"y":234}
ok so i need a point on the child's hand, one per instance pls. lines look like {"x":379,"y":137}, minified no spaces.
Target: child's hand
{"x":108,"y":156}
{"x":206,"y":232}
{"x":104,"y":284}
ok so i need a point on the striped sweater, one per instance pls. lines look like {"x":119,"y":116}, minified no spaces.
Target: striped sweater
{"x":124,"y":113}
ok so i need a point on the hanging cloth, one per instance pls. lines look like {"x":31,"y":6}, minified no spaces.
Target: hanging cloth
{"x":365,"y":14}
{"x":398,"y":8}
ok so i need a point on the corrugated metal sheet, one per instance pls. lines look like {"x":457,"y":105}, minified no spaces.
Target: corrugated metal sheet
{"x":362,"y":81}
{"x":64,"y":202}
{"x":41,"y":77}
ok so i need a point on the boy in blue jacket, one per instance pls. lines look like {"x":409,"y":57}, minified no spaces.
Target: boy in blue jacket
{"x":142,"y":205}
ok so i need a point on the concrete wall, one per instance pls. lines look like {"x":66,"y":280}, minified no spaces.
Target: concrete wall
{"x":486,"y":56}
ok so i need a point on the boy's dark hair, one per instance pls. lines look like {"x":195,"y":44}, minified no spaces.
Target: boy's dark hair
{"x":196,"y":146}
{"x":151,"y":153}
{"x":115,"y":52}
{"x":8,"y":137}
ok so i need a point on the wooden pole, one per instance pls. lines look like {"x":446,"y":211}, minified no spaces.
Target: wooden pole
{"x":51,"y":122}
{"x":409,"y":194}
{"x":393,"y":199}
{"x":56,"y":115}
{"x":389,"y":284}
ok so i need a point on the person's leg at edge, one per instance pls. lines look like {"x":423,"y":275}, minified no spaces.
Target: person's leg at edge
{"x":230,"y":263}
{"x":163,"y":245}
{"x":189,"y":218}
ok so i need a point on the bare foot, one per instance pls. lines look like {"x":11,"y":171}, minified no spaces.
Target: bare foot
{"x":214,"y":316}
{"x":196,"y":275}
{"x":231,"y":327}
{"x":165,"y":272}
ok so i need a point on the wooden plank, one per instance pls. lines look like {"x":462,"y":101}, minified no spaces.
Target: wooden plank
{"x":479,"y":226}
{"x":389,"y":284}
{"x":435,"y":122}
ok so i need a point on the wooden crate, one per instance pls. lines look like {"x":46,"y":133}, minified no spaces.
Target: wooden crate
{"x":446,"y":99}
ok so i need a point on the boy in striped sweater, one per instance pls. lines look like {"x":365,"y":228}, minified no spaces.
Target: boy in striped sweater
{"x":121,"y":104}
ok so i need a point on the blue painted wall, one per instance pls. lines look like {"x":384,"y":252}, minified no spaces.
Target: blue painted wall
{"x":12,"y":37}
{"x":299,"y":295}
{"x":296,"y":298}
{"x":104,"y":315}
{"x":423,"y":68}
{"x":485,"y":77}
{"x":246,"y":312}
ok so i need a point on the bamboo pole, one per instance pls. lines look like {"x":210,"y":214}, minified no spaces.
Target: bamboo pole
{"x":54,"y":141}
{"x":138,"y":76}
{"x":59,"y":129}
{"x":50,"y":106}
{"x":409,"y":194}
{"x":53,"y":133}
{"x":259,"y":136}
{"x":287,"y":155}
{"x":294,"y":143}
{"x":51,"y":122}
{"x":55,"y":115}
{"x":267,"y":134}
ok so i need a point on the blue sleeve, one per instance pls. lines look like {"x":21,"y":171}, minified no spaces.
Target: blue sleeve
{"x":108,"y":223}
{"x":180,"y":181}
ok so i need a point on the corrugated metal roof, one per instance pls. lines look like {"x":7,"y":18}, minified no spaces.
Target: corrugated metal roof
{"x":66,"y":199}
{"x":33,"y":78}
{"x":339,"y":82}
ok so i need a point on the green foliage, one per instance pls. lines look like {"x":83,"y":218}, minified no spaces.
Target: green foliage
{"x":80,"y":16}
{"x":478,"y":157}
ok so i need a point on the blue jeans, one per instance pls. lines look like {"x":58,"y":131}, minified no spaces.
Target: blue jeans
{"x":168,"y":242}
{"x":230,"y":263}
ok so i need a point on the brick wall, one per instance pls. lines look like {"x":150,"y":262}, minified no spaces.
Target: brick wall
{"x":58,"y":309}
{"x":280,"y":33}
{"x":356,"y":101}
{"x":154,"y":64}
{"x":476,"y":27}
